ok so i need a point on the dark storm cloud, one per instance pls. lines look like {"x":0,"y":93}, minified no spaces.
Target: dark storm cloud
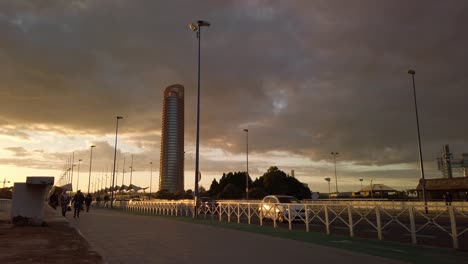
{"x":308,"y":77}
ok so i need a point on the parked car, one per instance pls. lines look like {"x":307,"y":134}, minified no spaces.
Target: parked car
{"x":281,"y":207}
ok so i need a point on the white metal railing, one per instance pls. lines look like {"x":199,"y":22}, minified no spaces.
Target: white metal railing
{"x":392,"y":204}
{"x":410,"y":219}
{"x":5,"y":205}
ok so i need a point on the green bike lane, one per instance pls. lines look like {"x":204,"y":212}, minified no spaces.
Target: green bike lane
{"x":124,"y":237}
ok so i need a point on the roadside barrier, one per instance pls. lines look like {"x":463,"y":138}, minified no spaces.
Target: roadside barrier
{"x":408,"y":218}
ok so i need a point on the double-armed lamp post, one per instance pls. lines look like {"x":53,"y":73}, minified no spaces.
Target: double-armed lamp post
{"x":247,"y":173}
{"x":90,"y":163}
{"x":423,"y":180}
{"x":115,"y":155}
{"x":196,"y":27}
{"x":336,"y":179}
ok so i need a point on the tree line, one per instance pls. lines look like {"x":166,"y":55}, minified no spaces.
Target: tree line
{"x":233,"y":186}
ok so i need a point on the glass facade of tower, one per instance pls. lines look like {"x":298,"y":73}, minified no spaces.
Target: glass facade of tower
{"x":171,"y":169}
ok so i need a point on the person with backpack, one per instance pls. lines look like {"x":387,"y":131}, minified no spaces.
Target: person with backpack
{"x":64,"y":201}
{"x":88,"y":201}
{"x":77,"y":202}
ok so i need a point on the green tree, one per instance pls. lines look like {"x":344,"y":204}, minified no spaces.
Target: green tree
{"x":164,"y":194}
{"x":214,"y":188}
{"x":257,"y":193}
{"x":189,"y":193}
{"x":238,"y":179}
{"x":275,"y":181}
{"x":231,"y":191}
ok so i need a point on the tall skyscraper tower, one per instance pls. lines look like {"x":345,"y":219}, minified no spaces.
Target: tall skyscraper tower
{"x":171,"y":169}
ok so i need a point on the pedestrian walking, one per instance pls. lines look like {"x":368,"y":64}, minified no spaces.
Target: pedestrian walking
{"x":77,"y":202}
{"x":88,"y":201}
{"x":448,"y":198}
{"x":64,"y":201}
{"x":106,"y":201}
{"x":54,"y":200}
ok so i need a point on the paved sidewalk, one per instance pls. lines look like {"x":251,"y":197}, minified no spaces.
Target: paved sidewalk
{"x":128,"y":238}
{"x":53,"y":243}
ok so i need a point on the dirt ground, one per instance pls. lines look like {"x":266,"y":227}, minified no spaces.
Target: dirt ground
{"x":55,"y":242}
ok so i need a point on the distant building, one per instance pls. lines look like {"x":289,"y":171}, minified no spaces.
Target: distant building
{"x":171,"y":168}
{"x":376,"y":191}
{"x":436,"y":188}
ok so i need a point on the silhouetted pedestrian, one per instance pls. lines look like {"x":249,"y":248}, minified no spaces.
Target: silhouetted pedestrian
{"x":106,"y":200}
{"x":54,"y":200}
{"x":88,"y":201}
{"x":64,"y":201}
{"x":77,"y":202}
{"x":448,"y":198}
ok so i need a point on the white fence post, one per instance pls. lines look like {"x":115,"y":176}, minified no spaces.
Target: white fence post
{"x":379,"y":222}
{"x":327,"y":224}
{"x":307,"y":218}
{"x":453,"y":225}
{"x":261,"y":215}
{"x":238,"y":213}
{"x":350,"y":220}
{"x":229,"y":212}
{"x":289,"y":217}
{"x":220,"y":211}
{"x":248,"y":210}
{"x":412,"y":225}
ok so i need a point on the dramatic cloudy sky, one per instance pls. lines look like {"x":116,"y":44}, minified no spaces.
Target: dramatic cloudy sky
{"x":305,"y":77}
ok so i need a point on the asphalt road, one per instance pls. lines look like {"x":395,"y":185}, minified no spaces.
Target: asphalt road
{"x":129,"y":238}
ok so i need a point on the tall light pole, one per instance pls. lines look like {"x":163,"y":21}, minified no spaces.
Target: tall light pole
{"x":196,"y":27}
{"x":423,"y":180}
{"x":115,"y":155}
{"x":247,"y":174}
{"x":78,"y":177}
{"x":90,"y":163}
{"x":336,"y":179}
{"x":123,"y":172}
{"x":72,"y":165}
{"x":328,"y":180}
{"x":131,"y":172}
{"x":361,"y":183}
{"x":151,"y":178}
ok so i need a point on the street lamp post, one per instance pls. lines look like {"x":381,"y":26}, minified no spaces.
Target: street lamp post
{"x":78,"y":177}
{"x":196,"y":27}
{"x":247,"y":174}
{"x":328,"y":180}
{"x":361,"y":183}
{"x":336,"y":179}
{"x":90,"y":163}
{"x":123,"y":173}
{"x":423,"y":181}
{"x":151,"y":178}
{"x":131,"y":173}
{"x":115,"y":155}
{"x":72,"y":165}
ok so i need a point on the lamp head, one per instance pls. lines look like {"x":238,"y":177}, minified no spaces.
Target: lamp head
{"x":412,"y":72}
{"x":193,"y":27}
{"x":202,"y":23}
{"x":120,"y":117}
{"x":246,"y":130}
{"x":93,"y":146}
{"x":327,"y":179}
